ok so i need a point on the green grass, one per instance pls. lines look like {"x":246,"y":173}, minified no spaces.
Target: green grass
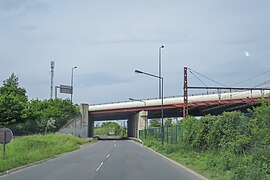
{"x":199,"y":163}
{"x":213,"y":165}
{"x":29,"y":149}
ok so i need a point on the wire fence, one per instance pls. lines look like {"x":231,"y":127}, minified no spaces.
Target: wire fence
{"x":172,"y":134}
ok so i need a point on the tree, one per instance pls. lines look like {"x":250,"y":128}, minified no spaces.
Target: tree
{"x":58,"y":110}
{"x":107,"y":127}
{"x":155,"y":123}
{"x":13,"y":102}
{"x":13,"y":80}
{"x":168,"y":122}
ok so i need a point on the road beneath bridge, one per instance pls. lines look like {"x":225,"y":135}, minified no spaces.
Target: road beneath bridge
{"x":105,"y":160}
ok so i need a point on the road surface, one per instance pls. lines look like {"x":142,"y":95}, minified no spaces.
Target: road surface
{"x":105,"y":160}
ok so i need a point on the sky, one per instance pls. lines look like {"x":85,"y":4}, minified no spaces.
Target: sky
{"x":226,"y":40}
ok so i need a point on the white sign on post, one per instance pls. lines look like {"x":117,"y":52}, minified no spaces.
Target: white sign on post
{"x":65,"y":89}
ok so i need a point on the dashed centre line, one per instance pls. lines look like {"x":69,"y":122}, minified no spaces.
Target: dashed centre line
{"x":99,"y":166}
{"x":103,"y":162}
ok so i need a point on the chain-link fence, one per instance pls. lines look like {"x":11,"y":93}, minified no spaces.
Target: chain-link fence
{"x":171,"y":133}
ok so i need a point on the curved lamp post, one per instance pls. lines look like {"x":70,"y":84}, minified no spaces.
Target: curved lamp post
{"x":159,"y":68}
{"x":161,"y":92}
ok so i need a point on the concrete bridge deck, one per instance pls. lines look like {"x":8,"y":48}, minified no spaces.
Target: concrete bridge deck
{"x":137,"y":112}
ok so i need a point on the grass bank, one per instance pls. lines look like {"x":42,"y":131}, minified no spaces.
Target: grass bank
{"x":29,"y":149}
{"x":189,"y":159}
{"x":231,"y":145}
{"x":213,"y":165}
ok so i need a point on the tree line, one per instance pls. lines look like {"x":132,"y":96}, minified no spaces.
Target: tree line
{"x":106,"y":127}
{"x":231,"y":145}
{"x":238,"y":143}
{"x":25,"y":116}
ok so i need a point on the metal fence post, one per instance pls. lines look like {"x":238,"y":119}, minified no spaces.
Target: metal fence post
{"x":172,"y":135}
{"x":167,"y":134}
{"x":176,"y":134}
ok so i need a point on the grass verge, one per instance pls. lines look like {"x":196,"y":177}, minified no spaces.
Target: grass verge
{"x":213,"y":165}
{"x":29,"y":149}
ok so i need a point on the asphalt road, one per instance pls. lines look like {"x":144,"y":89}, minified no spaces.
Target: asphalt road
{"x":105,"y":160}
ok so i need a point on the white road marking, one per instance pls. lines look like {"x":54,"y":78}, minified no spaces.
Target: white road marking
{"x":114,"y":145}
{"x":99,"y":166}
{"x":108,"y":156}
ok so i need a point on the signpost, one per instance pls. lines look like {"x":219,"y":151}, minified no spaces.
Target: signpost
{"x":66,"y":89}
{"x":6,"y":136}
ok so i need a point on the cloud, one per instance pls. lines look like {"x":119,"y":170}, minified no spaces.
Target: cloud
{"x":29,"y":28}
{"x":100,"y":79}
{"x":22,"y":5}
{"x":244,"y":40}
{"x":140,"y":37}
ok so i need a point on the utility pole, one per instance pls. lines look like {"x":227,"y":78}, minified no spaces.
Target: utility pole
{"x":75,"y":67}
{"x":52,"y":76}
{"x":159,"y":69}
{"x":185,"y":108}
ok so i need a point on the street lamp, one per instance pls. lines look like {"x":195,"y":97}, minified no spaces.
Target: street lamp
{"x":161,"y":92}
{"x":75,"y":67}
{"x":132,"y":99}
{"x":159,"y":68}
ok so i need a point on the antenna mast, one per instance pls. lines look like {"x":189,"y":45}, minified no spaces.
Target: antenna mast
{"x":52,"y":76}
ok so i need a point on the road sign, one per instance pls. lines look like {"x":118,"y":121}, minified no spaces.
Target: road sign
{"x":6,"y":136}
{"x":65,"y":89}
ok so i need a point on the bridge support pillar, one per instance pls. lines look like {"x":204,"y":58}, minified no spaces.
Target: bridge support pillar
{"x":137,"y":122}
{"x":84,"y":108}
{"x":90,"y":128}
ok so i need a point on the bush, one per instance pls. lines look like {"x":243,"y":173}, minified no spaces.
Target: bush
{"x":221,"y":162}
{"x":170,"y":148}
{"x":45,"y":116}
{"x":249,"y":170}
{"x":233,"y":144}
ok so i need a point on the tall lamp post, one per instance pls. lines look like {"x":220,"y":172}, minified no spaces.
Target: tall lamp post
{"x":132,"y":99}
{"x":161,"y":78}
{"x":159,"y":69}
{"x":75,"y":67}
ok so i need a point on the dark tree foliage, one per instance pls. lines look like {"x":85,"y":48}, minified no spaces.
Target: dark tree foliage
{"x":241,"y":142}
{"x":168,"y":122}
{"x":155,"y":123}
{"x":110,"y":126}
{"x":28,"y":117}
{"x":50,"y":115}
{"x":13,"y":102}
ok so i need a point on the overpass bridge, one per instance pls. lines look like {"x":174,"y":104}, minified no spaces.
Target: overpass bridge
{"x":137,"y":112}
